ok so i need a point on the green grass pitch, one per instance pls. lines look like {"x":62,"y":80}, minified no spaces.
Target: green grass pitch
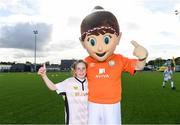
{"x":24,"y":99}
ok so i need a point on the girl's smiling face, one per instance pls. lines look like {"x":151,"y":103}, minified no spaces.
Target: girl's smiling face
{"x":80,"y":70}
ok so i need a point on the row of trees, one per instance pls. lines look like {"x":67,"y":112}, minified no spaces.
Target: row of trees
{"x":159,"y":61}
{"x":27,"y":62}
{"x":7,"y":63}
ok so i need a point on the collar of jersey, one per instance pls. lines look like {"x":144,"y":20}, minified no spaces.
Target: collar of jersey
{"x":80,"y":80}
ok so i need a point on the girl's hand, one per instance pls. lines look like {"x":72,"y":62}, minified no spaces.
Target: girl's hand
{"x":42,"y":70}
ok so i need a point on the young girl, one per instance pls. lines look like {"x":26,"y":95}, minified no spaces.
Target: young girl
{"x":75,"y":91}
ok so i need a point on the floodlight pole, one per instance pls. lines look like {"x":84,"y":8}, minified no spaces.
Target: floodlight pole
{"x":35,"y":37}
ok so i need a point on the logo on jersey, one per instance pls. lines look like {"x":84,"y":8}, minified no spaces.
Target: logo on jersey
{"x":102,"y":73}
{"x":75,"y":87}
{"x":111,"y":63}
{"x":101,"y":70}
{"x":80,"y":94}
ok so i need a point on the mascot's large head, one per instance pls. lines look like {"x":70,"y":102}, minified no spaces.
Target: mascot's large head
{"x":100,"y":33}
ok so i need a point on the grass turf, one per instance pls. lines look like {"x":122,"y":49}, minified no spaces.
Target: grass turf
{"x":146,"y":102}
{"x":24,"y":99}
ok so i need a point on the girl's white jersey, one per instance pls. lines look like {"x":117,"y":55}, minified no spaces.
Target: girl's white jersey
{"x":167,"y":74}
{"x":76,"y":100}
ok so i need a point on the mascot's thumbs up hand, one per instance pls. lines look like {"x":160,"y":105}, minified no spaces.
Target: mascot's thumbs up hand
{"x":139,"y":51}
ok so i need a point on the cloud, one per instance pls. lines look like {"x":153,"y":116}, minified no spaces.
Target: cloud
{"x":132,"y":26}
{"x":9,"y":7}
{"x":62,"y":45}
{"x":73,"y":21}
{"x":165,"y":33}
{"x":22,"y":54}
{"x":21,"y":36}
{"x":160,"y":5}
{"x":165,"y":47}
{"x":152,"y":23}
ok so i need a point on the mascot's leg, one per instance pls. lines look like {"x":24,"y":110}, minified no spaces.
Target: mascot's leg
{"x":112,"y":114}
{"x":95,"y":111}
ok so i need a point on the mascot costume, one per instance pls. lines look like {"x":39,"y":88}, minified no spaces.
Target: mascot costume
{"x":100,"y":34}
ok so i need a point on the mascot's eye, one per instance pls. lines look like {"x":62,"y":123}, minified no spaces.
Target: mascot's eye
{"x":92,"y":41}
{"x":107,"y":39}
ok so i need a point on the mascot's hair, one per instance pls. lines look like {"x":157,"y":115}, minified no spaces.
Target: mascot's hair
{"x":99,"y":22}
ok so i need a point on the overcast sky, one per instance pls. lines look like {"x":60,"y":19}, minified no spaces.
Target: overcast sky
{"x":152,"y":23}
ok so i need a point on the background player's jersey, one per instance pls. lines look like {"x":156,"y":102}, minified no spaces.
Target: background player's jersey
{"x":167,"y":74}
{"x":76,"y":102}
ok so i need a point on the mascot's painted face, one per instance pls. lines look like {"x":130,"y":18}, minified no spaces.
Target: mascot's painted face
{"x":100,"y":33}
{"x":102,"y":46}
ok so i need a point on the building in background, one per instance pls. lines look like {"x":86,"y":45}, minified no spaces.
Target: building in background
{"x":53,"y":67}
{"x":66,"y":64}
{"x":20,"y":67}
{"x":5,"y":67}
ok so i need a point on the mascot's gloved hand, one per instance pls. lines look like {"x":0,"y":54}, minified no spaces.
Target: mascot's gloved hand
{"x":139,"y":51}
